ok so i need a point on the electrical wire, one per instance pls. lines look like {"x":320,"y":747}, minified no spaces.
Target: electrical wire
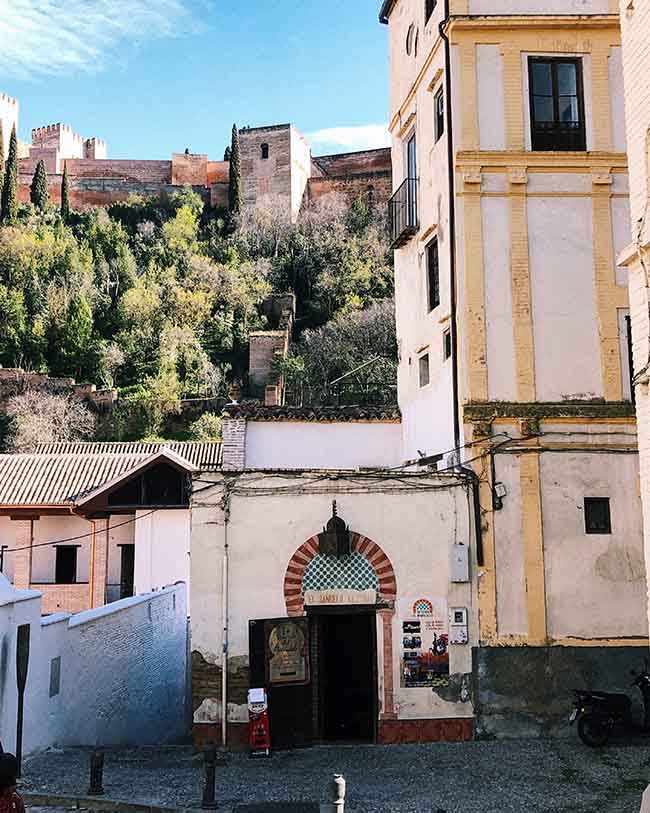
{"x":81,"y":536}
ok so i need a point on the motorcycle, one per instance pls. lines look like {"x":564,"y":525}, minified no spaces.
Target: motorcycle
{"x":600,"y":714}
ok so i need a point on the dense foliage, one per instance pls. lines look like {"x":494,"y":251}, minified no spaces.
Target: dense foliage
{"x":158,"y":296}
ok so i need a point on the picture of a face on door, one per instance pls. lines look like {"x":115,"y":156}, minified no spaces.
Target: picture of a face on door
{"x":287,"y":651}
{"x":425,"y":643}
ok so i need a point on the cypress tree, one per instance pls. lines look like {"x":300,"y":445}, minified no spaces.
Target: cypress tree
{"x":2,"y":165}
{"x":65,"y":199}
{"x":38,"y":189}
{"x":10,"y":186}
{"x":235,"y":196}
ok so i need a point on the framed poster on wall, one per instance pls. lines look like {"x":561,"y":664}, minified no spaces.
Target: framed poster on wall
{"x":425,"y":642}
{"x":287,"y":651}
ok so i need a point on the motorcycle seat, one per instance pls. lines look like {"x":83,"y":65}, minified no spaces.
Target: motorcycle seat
{"x":613,"y":698}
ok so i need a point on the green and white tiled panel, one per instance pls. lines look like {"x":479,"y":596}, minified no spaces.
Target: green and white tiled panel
{"x":351,"y":572}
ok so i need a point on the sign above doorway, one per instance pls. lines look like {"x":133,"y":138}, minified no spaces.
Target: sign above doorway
{"x":335,"y":597}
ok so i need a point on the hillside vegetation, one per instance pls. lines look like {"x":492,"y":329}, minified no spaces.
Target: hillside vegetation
{"x":158,"y":297}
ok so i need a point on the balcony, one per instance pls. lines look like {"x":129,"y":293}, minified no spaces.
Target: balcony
{"x":403,"y":213}
{"x":553,"y":136}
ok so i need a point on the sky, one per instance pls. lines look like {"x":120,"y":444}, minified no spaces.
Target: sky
{"x":153,"y":77}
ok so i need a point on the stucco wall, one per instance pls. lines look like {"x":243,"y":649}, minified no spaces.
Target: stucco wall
{"x":162,"y":550}
{"x":304,"y":445}
{"x":594,"y":584}
{"x":122,"y":678}
{"x":414,"y":528}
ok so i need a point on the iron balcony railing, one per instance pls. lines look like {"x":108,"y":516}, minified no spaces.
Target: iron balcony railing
{"x":403,"y":213}
{"x":558,"y":135}
{"x":348,"y":394}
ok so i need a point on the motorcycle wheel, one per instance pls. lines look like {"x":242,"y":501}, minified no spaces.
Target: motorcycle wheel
{"x":593,"y":731}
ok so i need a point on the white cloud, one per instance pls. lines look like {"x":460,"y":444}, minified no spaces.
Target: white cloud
{"x":54,"y":36}
{"x":364,"y":137}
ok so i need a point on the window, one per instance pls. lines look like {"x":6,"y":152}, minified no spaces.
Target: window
{"x":446,"y":344}
{"x":433,"y":274}
{"x":439,"y":112}
{"x":65,"y":569}
{"x":629,"y":358}
{"x":410,"y":36}
{"x":424,"y":369}
{"x":429,"y":6}
{"x":556,"y":103}
{"x":265,"y":151}
{"x":597,"y":516}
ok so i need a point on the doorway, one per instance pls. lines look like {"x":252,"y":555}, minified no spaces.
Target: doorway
{"x":127,"y":570}
{"x":347,"y":677}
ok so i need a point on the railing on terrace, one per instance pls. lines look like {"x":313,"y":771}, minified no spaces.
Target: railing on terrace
{"x":403,"y":213}
{"x":343,"y":394}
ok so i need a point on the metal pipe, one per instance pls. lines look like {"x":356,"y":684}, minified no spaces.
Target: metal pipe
{"x":224,"y":615}
{"x":452,"y":227}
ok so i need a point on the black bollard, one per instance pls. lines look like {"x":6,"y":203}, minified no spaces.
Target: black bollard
{"x":96,"y":787}
{"x":209,"y":778}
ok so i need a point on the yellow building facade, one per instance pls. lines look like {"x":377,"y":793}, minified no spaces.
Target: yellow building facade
{"x":511,"y":204}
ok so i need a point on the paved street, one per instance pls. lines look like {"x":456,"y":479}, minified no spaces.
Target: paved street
{"x":485,"y":777}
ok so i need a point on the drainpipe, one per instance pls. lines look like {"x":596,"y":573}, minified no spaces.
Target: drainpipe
{"x":225,"y":507}
{"x":452,"y":225}
{"x":451,"y":178}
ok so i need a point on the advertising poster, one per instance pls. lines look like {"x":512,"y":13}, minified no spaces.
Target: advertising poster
{"x":424,"y":629}
{"x":287,"y":657}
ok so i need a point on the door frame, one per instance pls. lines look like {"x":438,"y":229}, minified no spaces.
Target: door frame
{"x":314,"y":611}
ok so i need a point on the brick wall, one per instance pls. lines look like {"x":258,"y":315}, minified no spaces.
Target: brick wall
{"x":234,"y":444}
{"x":189,"y":169}
{"x":377,"y":187}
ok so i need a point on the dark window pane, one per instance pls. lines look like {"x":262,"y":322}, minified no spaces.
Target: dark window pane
{"x":566,"y":79}
{"x":433,"y":272}
{"x":447,"y":344}
{"x":424,"y":369}
{"x":542,"y":78}
{"x":544,"y":108}
{"x":597,"y":515}
{"x":568,"y":106}
{"x":65,"y":568}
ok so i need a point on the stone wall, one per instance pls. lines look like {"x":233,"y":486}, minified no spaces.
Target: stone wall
{"x":267,"y":180}
{"x":14,"y":380}
{"x":9,"y":117}
{"x":528,"y":691}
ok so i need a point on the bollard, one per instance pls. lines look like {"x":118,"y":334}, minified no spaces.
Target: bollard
{"x":96,"y":787}
{"x":336,"y":791}
{"x":209,"y":778}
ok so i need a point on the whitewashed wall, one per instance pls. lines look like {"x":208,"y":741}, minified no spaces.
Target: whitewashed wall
{"x":306,"y":445}
{"x":162,"y":549}
{"x":415,"y":529}
{"x":123,"y":672}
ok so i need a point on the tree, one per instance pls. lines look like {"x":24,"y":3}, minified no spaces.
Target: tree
{"x":235,"y":195}
{"x":39,"y":417}
{"x":10,"y":186}
{"x":65,"y":196}
{"x":2,"y":164}
{"x":207,"y":427}
{"x":38,"y":190}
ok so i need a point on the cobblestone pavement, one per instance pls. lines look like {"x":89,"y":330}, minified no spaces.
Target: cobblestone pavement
{"x":477,"y":777}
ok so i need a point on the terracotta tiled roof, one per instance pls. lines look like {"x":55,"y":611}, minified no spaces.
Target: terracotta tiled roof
{"x":63,"y":473}
{"x":257,"y":412}
{"x":204,"y":455}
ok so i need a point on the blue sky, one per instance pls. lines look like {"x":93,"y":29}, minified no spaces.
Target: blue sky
{"x":155,"y":76}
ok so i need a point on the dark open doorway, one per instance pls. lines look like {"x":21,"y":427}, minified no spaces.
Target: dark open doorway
{"x":347,"y":676}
